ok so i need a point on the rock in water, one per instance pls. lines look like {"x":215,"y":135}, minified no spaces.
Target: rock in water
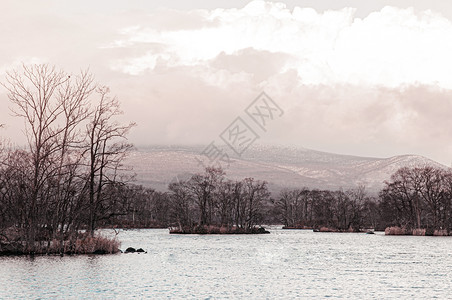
{"x":130,"y":250}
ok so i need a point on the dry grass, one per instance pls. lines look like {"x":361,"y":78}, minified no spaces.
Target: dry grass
{"x":96,"y":245}
{"x":223,"y":230}
{"x":83,"y":245}
{"x":396,"y":230}
{"x":327,"y":229}
{"x":440,"y":232}
{"x":419,"y":232}
{"x":297,"y":227}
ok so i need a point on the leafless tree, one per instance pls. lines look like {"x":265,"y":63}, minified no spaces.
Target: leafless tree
{"x":50,"y":102}
{"x":225,"y":202}
{"x":182,"y":205}
{"x":418,"y":197}
{"x":107,"y":147}
{"x":293,"y":206}
{"x":203,"y":188}
{"x":255,"y":193}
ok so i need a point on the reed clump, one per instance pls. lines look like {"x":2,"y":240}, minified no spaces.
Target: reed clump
{"x":419,"y":231}
{"x":440,"y":232}
{"x":83,"y":244}
{"x":396,"y":230}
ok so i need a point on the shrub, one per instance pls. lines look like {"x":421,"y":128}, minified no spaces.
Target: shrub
{"x":327,"y":229}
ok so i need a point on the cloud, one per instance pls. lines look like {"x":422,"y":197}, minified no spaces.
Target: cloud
{"x":389,"y":47}
{"x":377,"y":85}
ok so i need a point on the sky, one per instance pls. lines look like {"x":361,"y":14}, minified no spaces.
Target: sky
{"x":367,"y":78}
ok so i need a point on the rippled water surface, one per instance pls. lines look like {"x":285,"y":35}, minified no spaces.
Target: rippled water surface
{"x":281,"y":265}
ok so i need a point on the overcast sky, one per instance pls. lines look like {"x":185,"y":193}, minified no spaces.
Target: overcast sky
{"x":370,"y":78}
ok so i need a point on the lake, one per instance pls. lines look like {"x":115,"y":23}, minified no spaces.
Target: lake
{"x":285,"y":264}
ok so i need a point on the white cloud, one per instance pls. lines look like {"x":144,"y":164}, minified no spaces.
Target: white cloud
{"x":390,"y":47}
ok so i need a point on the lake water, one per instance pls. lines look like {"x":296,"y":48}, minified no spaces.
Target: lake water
{"x":285,"y":264}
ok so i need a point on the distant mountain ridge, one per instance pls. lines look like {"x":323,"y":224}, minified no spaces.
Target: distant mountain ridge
{"x":281,"y":167}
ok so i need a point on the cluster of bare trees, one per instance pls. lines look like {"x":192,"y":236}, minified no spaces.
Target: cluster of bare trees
{"x":67,"y":178}
{"x":419,"y":197}
{"x":145,"y":208}
{"x":414,"y":198}
{"x":211,"y":199}
{"x":340,"y":210}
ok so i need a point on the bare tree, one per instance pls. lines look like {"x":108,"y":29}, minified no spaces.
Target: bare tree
{"x":15,"y":189}
{"x":203,"y":188}
{"x":107,"y":147}
{"x":432,"y":193}
{"x":182,"y":205}
{"x":44,"y":97}
{"x":292,"y":206}
{"x":238,"y":200}
{"x":357,"y":199}
{"x":402,"y":197}
{"x":255,"y":193}
{"x":417,"y":197}
{"x":225,"y":202}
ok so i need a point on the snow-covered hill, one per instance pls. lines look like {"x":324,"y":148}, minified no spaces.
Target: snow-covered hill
{"x":281,"y":167}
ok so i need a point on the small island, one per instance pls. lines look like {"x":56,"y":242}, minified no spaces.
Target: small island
{"x":218,"y":230}
{"x":352,"y":210}
{"x":83,"y":243}
{"x":209,"y":203}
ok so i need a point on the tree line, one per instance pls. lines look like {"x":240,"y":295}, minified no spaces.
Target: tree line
{"x":414,"y":198}
{"x":350,"y":210}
